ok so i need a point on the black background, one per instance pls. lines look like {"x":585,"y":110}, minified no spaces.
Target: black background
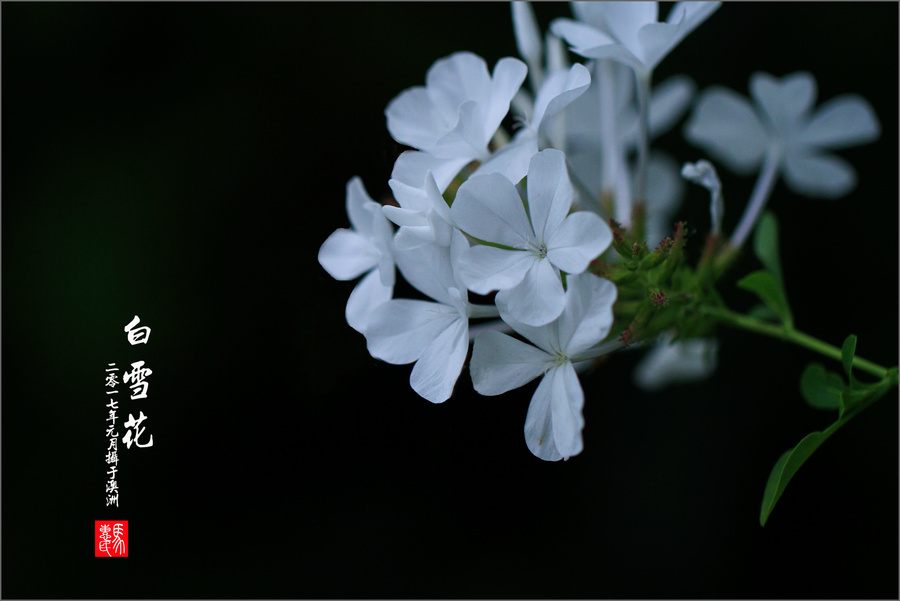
{"x":184,"y":162}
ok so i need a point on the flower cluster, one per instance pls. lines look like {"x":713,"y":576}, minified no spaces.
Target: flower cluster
{"x":556,"y":245}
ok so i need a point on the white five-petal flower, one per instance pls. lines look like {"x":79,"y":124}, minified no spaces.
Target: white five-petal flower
{"x":367,"y":247}
{"x":782,"y":126}
{"x":536,"y":244}
{"x":501,"y":363}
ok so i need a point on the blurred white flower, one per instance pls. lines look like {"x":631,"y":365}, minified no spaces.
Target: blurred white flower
{"x":678,"y":362}
{"x":782,"y":126}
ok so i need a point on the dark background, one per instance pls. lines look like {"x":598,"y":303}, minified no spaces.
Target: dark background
{"x":184,"y":162}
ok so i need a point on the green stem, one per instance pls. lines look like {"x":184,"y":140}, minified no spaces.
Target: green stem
{"x":792,"y":335}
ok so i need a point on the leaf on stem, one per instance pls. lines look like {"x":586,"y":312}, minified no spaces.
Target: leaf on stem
{"x":765,"y":245}
{"x":786,"y":466}
{"x":766,"y":287}
{"x":821,"y":389}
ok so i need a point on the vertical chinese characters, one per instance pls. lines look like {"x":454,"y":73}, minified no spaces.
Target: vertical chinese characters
{"x":137,"y":380}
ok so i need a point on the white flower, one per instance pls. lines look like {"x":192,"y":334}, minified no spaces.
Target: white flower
{"x":348,"y":253}
{"x":538,"y":244}
{"x":629,"y":32}
{"x":501,"y":363}
{"x":782,"y":126}
{"x":454,"y":116}
{"x":434,"y":335}
{"x":678,"y":362}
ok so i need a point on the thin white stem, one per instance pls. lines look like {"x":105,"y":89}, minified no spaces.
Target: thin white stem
{"x":611,"y":156}
{"x":760,"y":196}
{"x":643,"y":79}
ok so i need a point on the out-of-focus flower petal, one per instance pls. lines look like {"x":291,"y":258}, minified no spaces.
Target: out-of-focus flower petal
{"x":676,"y":363}
{"x":725,"y":124}
{"x":784,"y":101}
{"x":819,"y":175}
{"x":843,"y":121}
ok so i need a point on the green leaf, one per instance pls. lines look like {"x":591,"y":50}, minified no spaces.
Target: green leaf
{"x":765,"y":245}
{"x":787,"y":465}
{"x":847,"y":352}
{"x":821,"y":388}
{"x":818,"y":383}
{"x":764,"y":285}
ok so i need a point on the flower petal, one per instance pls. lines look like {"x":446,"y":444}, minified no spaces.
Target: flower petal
{"x":725,"y":124}
{"x":528,"y":36}
{"x":427,"y":267}
{"x":400,"y":330}
{"x":821,"y":176}
{"x":357,"y":200}
{"x":588,"y":316}
{"x":511,"y":161}
{"x":537,"y":300}
{"x":439,"y":366}
{"x":539,"y":422}
{"x":367,"y":296}
{"x":346,"y":255}
{"x":456,"y":79}
{"x":411,"y":119}
{"x":509,"y":73}
{"x":412,"y":168}
{"x":579,"y":240}
{"x":669,"y":101}
{"x":487,"y":268}
{"x":501,"y":363}
{"x":784,"y":101}
{"x":566,"y":405}
{"x":489,"y":208}
{"x":560,"y":89}
{"x":843,"y":121}
{"x":550,"y":192}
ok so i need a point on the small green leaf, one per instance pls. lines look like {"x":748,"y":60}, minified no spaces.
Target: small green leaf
{"x":785,"y":468}
{"x":764,"y":285}
{"x":821,"y":388}
{"x":847,"y":352}
{"x":765,"y":244}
